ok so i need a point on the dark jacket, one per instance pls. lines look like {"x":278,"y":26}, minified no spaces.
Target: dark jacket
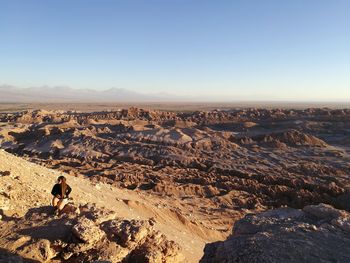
{"x":57,"y":190}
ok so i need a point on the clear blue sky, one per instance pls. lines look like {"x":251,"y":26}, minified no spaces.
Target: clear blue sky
{"x":262,"y":49}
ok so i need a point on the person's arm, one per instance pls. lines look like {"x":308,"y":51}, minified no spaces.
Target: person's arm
{"x":68,"y":190}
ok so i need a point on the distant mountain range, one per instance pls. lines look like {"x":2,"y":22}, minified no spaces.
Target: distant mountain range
{"x":65,"y":94}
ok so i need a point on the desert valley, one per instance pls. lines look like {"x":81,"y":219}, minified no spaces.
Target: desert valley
{"x":174,"y":131}
{"x":170,"y":186}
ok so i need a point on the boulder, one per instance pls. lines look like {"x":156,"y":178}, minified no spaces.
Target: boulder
{"x":143,"y":242}
{"x":129,"y":233}
{"x":323,"y":211}
{"x":318,"y":233}
{"x":157,"y":249}
{"x":112,"y":252}
{"x":87,"y":231}
{"x":40,"y":250}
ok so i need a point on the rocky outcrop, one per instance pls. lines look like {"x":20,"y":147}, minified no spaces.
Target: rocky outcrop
{"x":87,"y":231}
{"x":145,"y":243}
{"x":317,"y":233}
{"x":80,"y":236}
{"x":204,"y":117}
{"x":100,"y":222}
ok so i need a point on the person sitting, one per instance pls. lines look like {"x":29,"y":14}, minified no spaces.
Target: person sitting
{"x":60,"y":192}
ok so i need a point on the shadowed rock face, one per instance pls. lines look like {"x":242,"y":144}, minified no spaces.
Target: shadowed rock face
{"x":218,"y":165}
{"x":317,"y":233}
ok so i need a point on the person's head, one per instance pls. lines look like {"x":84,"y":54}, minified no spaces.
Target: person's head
{"x":62,"y":181}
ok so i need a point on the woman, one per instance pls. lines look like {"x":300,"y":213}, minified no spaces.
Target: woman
{"x":60,"y":193}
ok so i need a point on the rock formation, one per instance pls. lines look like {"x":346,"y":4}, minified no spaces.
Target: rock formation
{"x":317,"y":233}
{"x":81,"y":237}
{"x":84,"y":232}
{"x":199,"y":170}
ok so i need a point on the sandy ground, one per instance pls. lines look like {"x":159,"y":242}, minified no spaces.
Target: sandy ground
{"x":29,"y":186}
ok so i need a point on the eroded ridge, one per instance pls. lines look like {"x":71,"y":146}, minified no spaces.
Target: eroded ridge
{"x":210,"y":168}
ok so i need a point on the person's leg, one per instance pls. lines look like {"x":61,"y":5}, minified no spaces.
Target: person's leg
{"x":55,"y":201}
{"x":62,"y":203}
